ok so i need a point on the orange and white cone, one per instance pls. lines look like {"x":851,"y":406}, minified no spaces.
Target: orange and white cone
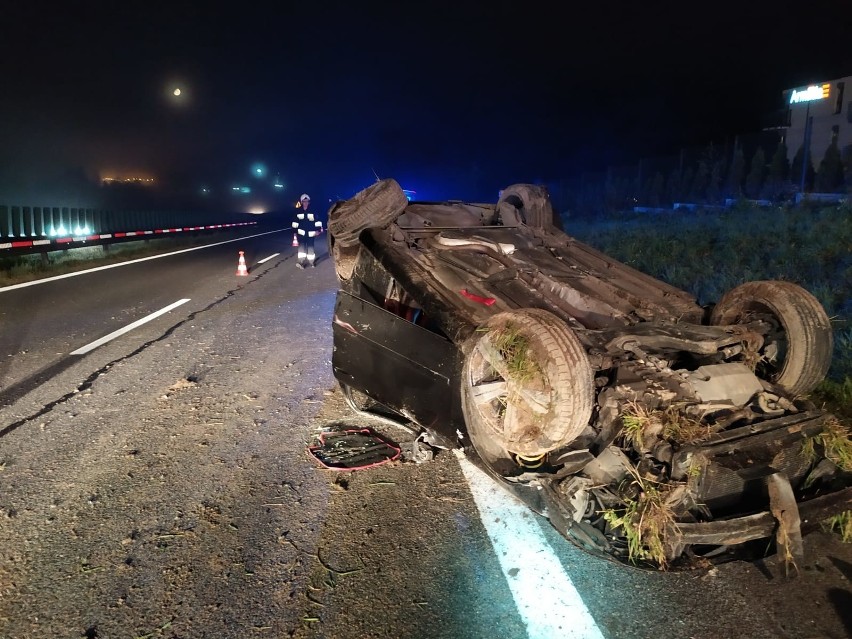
{"x":241,"y":267}
{"x":295,"y":240}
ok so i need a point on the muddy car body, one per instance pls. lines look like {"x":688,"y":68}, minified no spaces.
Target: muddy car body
{"x":644,"y":426}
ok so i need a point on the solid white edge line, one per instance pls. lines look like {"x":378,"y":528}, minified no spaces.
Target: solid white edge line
{"x":266,"y":259}
{"x":12,"y":287}
{"x":89,"y":347}
{"x":544,"y":595}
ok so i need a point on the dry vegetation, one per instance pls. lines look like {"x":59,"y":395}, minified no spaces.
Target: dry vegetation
{"x":647,"y":522}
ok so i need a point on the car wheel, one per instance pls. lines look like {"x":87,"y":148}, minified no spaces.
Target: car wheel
{"x":527,"y":387}
{"x":344,"y":257}
{"x":375,"y":207}
{"x":797,"y":351}
{"x":532,"y":204}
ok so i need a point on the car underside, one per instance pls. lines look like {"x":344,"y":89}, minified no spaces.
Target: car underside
{"x":645,"y":427}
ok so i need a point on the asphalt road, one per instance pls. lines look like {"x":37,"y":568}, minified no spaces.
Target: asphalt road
{"x":41,"y":326}
{"x":157,"y":486}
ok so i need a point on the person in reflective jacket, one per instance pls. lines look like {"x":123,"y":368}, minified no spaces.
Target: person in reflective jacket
{"x":306,"y":228}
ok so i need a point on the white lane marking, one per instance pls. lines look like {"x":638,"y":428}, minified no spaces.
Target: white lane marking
{"x":98,"y":342}
{"x":12,"y":287}
{"x":266,"y":259}
{"x":547,"y":601}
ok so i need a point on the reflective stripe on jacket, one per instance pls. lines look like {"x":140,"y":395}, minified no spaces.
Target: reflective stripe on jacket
{"x":305,"y":224}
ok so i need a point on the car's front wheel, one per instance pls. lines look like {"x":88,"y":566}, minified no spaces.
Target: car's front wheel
{"x":527,"y":387}
{"x":796,"y":351}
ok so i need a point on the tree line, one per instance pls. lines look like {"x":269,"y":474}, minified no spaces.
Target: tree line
{"x":709,"y":176}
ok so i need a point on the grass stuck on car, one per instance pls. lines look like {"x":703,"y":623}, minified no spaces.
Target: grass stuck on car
{"x":645,"y":427}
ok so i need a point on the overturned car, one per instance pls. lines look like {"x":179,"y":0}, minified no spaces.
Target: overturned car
{"x":645,"y":427}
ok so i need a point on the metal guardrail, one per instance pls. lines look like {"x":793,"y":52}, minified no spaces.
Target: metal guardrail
{"x":41,"y":228}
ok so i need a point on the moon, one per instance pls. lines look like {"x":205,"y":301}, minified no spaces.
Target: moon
{"x":176,"y":92}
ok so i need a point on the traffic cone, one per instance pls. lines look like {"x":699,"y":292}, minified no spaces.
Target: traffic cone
{"x":241,"y":267}
{"x":295,"y":240}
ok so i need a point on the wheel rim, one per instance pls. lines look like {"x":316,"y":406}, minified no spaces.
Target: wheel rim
{"x":527,"y":387}
{"x":508,"y":405}
{"x":769,"y":360}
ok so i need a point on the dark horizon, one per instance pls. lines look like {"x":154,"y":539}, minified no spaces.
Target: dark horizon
{"x":453,"y":101}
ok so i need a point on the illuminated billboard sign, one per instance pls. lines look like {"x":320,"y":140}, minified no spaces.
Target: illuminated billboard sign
{"x":813,"y":92}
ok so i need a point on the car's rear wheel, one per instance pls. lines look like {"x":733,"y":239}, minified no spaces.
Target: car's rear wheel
{"x":532,"y":204}
{"x":527,"y":388}
{"x":796,"y":352}
{"x":374,"y":207}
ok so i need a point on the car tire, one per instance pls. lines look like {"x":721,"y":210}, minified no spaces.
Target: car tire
{"x":374,"y":207}
{"x":511,"y":413}
{"x":532,"y":203}
{"x":804,"y":338}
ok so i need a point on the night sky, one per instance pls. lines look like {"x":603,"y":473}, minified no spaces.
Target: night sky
{"x":454,"y":99}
